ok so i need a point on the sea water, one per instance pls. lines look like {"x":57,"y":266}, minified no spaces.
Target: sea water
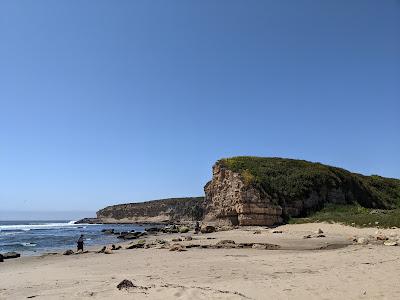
{"x":37,"y":237}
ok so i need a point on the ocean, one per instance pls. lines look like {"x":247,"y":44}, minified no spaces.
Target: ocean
{"x":37,"y":237}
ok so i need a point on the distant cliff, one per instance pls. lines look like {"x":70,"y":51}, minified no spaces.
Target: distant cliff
{"x":267,"y":191}
{"x":157,"y":211}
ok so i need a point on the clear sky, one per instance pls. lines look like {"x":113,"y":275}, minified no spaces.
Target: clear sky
{"x":105,"y":102}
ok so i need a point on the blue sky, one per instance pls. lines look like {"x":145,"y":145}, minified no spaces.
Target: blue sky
{"x":106,"y":102}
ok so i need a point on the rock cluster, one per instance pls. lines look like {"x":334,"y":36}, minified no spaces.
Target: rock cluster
{"x":9,"y":255}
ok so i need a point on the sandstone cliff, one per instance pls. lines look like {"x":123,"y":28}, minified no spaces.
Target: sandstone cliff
{"x":156,"y":211}
{"x":267,"y":191}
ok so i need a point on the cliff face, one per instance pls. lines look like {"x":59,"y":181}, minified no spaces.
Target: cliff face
{"x":156,"y":211}
{"x":267,"y":191}
{"x":232,"y":202}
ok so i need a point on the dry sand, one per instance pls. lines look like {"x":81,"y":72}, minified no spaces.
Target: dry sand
{"x":301,"y":270}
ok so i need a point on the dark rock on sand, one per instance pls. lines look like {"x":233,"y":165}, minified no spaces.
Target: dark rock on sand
{"x":177,"y":247}
{"x":102,"y":250}
{"x":108,"y":231}
{"x":223,"y":242}
{"x":68,"y":252}
{"x":207,"y":229}
{"x":171,"y":229}
{"x":113,"y":247}
{"x":125,"y":284}
{"x":139,"y":244}
{"x":1,"y":258}
{"x":152,"y":229}
{"x":10,"y":255}
{"x":127,"y":236}
{"x":130,"y":235}
{"x":193,"y":246}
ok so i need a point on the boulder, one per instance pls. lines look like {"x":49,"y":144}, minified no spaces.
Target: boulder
{"x":68,"y":252}
{"x":362,"y":241}
{"x":193,"y":246}
{"x":150,"y":245}
{"x":108,"y":231}
{"x":184,"y":229}
{"x":207,"y":229}
{"x":129,"y":236}
{"x":108,"y":251}
{"x":224,"y":242}
{"x":319,"y":231}
{"x":102,"y":250}
{"x":390,"y":243}
{"x":1,"y":258}
{"x":125,"y":284}
{"x":10,"y":255}
{"x":259,"y":247}
{"x":139,"y":244}
{"x":382,"y":237}
{"x":177,"y":240}
{"x":177,"y":247}
{"x":188,"y":238}
{"x":228,"y":244}
{"x":245,"y":245}
{"x":171,"y":229}
{"x":113,"y":247}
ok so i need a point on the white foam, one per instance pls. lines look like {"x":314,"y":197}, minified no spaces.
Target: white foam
{"x":28,"y":244}
{"x":26,"y":227}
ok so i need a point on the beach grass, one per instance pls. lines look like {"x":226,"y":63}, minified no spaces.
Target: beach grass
{"x":354,"y":215}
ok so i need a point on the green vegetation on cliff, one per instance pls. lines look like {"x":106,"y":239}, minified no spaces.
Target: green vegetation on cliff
{"x":354,"y":215}
{"x":291,"y":180}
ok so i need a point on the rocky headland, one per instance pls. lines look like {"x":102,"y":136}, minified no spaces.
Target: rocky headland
{"x":172,"y":210}
{"x":256,"y":191}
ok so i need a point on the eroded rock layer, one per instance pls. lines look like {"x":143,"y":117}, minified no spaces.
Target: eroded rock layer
{"x":232,"y":202}
{"x":156,"y":211}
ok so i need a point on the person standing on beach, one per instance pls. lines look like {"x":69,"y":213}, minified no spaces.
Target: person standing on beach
{"x":197,"y":227}
{"x":80,"y":243}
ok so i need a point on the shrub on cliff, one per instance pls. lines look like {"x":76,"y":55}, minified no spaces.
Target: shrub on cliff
{"x":290,"y":180}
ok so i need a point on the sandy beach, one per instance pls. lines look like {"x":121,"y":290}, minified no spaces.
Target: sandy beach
{"x":330,"y":267}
